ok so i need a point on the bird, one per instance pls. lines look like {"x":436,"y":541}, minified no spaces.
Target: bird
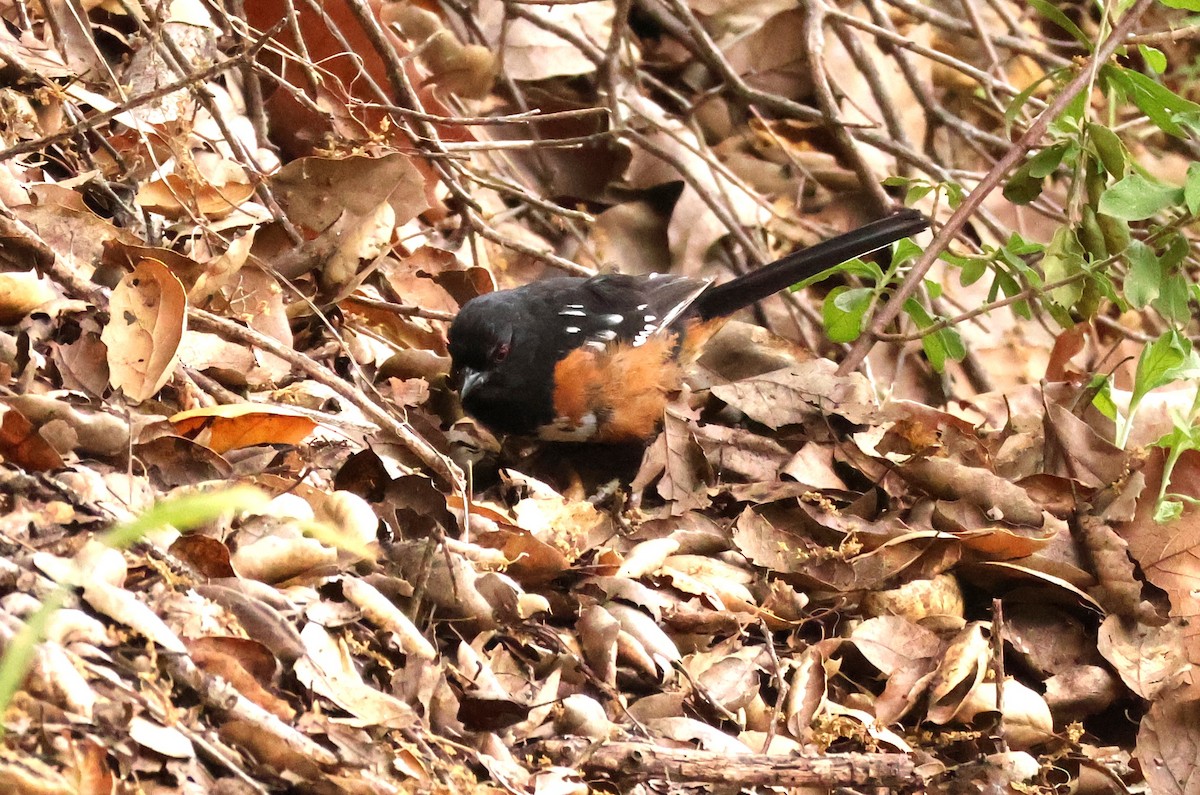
{"x":577,"y":359}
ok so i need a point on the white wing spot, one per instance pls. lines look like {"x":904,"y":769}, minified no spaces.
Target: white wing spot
{"x":644,"y":335}
{"x":642,"y":307}
{"x":611,"y":320}
{"x":606,"y":334}
{"x":649,"y":318}
{"x":595,"y":345}
{"x":573,"y":312}
{"x":572,"y":329}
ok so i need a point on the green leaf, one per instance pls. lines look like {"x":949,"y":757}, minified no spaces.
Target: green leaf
{"x":1022,"y":187}
{"x":1109,"y":149}
{"x":1064,"y":258}
{"x":942,"y":345}
{"x":954,"y":194}
{"x":1052,"y":13}
{"x":1186,"y":5}
{"x":1070,"y":121}
{"x":860,"y":268}
{"x":1153,"y":57}
{"x":1005,"y":284}
{"x":855,"y":267}
{"x":1168,"y":511}
{"x":972,"y":271}
{"x":919,"y":314}
{"x":1191,"y":189}
{"x":1103,"y":400}
{"x":1044,"y":162}
{"x":1155,"y":366}
{"x":844,"y":311}
{"x":1021,"y":247}
{"x":1160,"y":104}
{"x":1188,"y":369}
{"x":1144,"y":281}
{"x":1172,"y":301}
{"x":905,"y":250}
{"x":1180,"y":438}
{"x":916,"y":193}
{"x":1136,"y":198}
{"x":1176,"y":249}
{"x":1107,"y":289}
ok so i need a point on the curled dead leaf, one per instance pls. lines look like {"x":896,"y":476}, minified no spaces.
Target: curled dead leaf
{"x":227,"y":427}
{"x":148,"y":317}
{"x":1027,"y":719}
{"x":177,"y":196}
{"x":21,"y":444}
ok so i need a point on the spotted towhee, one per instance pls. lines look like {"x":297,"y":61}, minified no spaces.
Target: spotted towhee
{"x":574,"y":359}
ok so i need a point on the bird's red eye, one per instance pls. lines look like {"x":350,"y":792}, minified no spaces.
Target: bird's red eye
{"x":500,"y":352}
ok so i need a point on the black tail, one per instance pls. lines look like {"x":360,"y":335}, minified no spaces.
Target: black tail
{"x":725,"y":299}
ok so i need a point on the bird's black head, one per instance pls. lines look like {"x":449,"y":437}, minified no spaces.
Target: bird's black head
{"x":504,"y":372}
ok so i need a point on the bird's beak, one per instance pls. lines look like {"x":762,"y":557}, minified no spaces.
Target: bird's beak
{"x":469,"y":380}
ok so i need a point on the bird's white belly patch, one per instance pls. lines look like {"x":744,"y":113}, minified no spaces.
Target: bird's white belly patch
{"x":565,"y":429}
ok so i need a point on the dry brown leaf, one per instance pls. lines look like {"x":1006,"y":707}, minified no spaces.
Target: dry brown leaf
{"x":269,"y":749}
{"x":999,"y":498}
{"x":917,"y":599}
{"x":317,"y":191}
{"x":729,"y":681}
{"x":1080,"y":451}
{"x":1027,"y":721}
{"x":733,"y":452}
{"x":800,"y":394}
{"x":1119,"y":586}
{"x":276,"y":559}
{"x":148,"y":318}
{"x":677,"y":462}
{"x":381,"y":612}
{"x":1166,"y":552}
{"x":961,"y":673}
{"x":1081,"y":692}
{"x":807,"y":690}
{"x":21,"y":444}
{"x":160,"y":739}
{"x":1152,"y":661}
{"x":177,"y":196}
{"x":906,"y":654}
{"x":532,"y":52}
{"x":21,"y":293}
{"x":466,"y":69}
{"x":124,"y":608}
{"x":206,"y":555}
{"x":1166,"y":746}
{"x":83,"y":363}
{"x":224,"y":428}
{"x":328,"y":670}
{"x":79,"y":427}
{"x":648,"y":635}
{"x":597,"y":630}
